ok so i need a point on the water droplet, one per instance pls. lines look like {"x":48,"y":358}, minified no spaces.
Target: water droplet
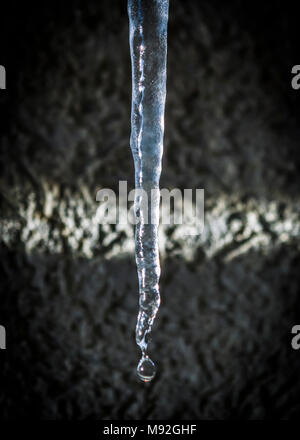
{"x":146,"y":369}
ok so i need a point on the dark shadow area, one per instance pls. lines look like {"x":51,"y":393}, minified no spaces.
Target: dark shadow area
{"x":231,"y":116}
{"x":221,"y":341}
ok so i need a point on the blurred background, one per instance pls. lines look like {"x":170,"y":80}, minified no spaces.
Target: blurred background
{"x":69,"y":292}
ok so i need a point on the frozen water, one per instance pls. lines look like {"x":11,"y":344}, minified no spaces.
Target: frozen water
{"x":148,"y":48}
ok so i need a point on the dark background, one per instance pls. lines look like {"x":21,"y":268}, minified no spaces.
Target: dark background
{"x":222,"y":339}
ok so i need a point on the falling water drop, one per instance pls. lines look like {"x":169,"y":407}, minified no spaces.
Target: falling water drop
{"x":148,"y":48}
{"x":146,"y":369}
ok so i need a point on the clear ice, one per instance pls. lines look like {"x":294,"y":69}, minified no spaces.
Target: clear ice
{"x":148,"y":20}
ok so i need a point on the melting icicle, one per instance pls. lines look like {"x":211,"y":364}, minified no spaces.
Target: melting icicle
{"x":148,"y":21}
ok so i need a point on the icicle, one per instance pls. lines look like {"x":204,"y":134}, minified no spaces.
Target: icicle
{"x":148,"y":47}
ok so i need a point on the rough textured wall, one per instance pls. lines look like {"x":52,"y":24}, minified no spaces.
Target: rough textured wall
{"x":69,"y":287}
